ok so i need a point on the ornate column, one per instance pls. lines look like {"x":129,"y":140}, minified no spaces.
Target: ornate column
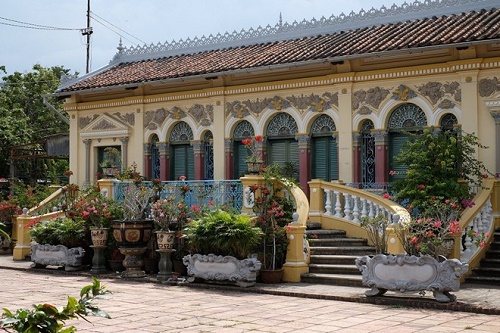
{"x":124,"y":142}
{"x":356,"y":157}
{"x":199,"y":161}
{"x":87,"y":143}
{"x":381,"y":158}
{"x":229,"y":158}
{"x":304,"y":161}
{"x":163,"y":148}
{"x":148,"y":165}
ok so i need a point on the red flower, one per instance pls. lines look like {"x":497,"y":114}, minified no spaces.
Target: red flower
{"x":386,"y":196}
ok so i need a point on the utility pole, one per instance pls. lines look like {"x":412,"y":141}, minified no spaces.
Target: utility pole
{"x":87,"y":32}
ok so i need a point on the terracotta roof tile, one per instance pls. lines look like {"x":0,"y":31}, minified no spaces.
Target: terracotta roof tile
{"x":474,"y":26}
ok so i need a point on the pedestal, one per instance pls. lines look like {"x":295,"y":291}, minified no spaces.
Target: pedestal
{"x":98,"y":260}
{"x":133,"y":262}
{"x":165,"y":265}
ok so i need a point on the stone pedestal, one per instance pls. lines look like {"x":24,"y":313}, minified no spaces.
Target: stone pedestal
{"x":133,"y":262}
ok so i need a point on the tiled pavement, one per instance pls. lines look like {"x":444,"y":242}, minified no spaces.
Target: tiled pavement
{"x":143,"y":306}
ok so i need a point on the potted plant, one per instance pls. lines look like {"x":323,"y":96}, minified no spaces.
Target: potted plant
{"x":221,"y":244}
{"x":111,"y":161}
{"x":273,"y":210}
{"x":254,"y":160}
{"x":437,"y":162}
{"x":58,"y":242}
{"x":133,"y":232}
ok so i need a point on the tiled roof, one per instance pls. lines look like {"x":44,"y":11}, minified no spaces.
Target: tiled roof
{"x":461,"y":29}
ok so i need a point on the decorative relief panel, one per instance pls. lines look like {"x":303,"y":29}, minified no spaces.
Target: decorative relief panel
{"x":403,"y":93}
{"x":313,"y":103}
{"x":333,"y":99}
{"x":84,"y":121}
{"x":488,"y":87}
{"x":372,"y":97}
{"x":128,"y":118}
{"x":435,"y":91}
{"x":103,"y":124}
{"x":202,"y":114}
{"x":236,"y":109}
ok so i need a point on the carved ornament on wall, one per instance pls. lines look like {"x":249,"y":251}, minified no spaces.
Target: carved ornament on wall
{"x":488,"y":87}
{"x":435,"y":91}
{"x":128,"y":118}
{"x":403,"y":93}
{"x":372,"y":97}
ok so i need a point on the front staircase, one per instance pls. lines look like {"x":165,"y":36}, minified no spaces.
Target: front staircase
{"x":488,"y":271}
{"x":332,"y":257}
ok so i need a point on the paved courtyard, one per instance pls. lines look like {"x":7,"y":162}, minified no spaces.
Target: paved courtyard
{"x":151,"y":307}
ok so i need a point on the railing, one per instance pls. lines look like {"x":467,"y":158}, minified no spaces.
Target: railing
{"x":196,"y":192}
{"x":480,"y":220}
{"x":336,"y":205}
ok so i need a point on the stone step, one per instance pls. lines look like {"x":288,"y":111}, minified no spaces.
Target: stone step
{"x":486,"y":271}
{"x":323,"y":233}
{"x":334,"y":279}
{"x":344,"y":250}
{"x":333,"y":269}
{"x":488,"y":280}
{"x":337,"y":242}
{"x":490,"y":262}
{"x":333,"y":259}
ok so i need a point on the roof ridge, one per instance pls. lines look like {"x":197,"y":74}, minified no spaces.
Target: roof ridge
{"x":282,"y":31}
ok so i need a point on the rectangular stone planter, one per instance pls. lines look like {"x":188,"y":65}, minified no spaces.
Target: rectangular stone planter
{"x":403,"y":273}
{"x":225,"y":269}
{"x":44,"y":255}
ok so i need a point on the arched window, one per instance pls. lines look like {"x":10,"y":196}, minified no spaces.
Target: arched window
{"x":208,"y":148}
{"x":282,"y":147}
{"x":448,"y":122}
{"x":155,"y":157}
{"x":243,"y":130}
{"x":324,"y":159}
{"x":367,"y":154}
{"x":181,"y":152}
{"x":406,"y":118}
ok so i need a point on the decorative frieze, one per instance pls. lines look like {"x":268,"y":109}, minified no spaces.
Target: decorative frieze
{"x":128,"y":118}
{"x":488,"y":87}
{"x":403,"y":93}
{"x":85,"y":121}
{"x":435,"y":91}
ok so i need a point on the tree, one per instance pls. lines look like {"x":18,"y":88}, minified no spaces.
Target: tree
{"x":25,"y":118}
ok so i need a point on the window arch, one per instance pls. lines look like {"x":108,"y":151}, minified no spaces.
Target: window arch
{"x":243,"y":130}
{"x":405,"y":119}
{"x":324,"y":149}
{"x":448,"y":122}
{"x":181,"y":152}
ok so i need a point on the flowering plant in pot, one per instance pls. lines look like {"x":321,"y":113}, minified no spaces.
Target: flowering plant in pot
{"x":254,"y":160}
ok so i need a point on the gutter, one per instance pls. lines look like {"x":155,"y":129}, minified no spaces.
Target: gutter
{"x":53,"y":109}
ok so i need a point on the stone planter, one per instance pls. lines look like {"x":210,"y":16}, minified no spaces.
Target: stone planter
{"x":403,"y":273}
{"x":225,"y":269}
{"x":271,"y":276}
{"x":254,"y":167}
{"x":44,"y":255}
{"x":99,"y":236}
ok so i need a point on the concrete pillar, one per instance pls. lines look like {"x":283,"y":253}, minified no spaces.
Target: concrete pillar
{"x":304,"y":161}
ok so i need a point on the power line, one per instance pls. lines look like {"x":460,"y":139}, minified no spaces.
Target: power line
{"x":32,"y":25}
{"x":94,"y":14}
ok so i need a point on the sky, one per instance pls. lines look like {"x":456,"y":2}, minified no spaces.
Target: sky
{"x":138,"y":23}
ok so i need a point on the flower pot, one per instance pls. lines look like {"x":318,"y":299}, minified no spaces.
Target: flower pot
{"x":271,"y":276}
{"x":254,"y":167}
{"x":132,"y":233}
{"x":99,"y":236}
{"x":165,"y":240}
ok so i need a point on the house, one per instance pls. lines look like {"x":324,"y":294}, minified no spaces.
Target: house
{"x":335,"y":97}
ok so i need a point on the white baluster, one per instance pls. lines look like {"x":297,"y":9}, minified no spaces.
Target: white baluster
{"x":364,"y":211}
{"x":347,"y":207}
{"x":371,"y":214}
{"x":355,"y":210}
{"x":328,"y":202}
{"x":338,"y":207}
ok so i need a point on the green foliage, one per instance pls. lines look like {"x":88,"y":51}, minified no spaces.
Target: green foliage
{"x":64,"y":231}
{"x":223,"y":233}
{"x":27,"y":196}
{"x":436,"y":161}
{"x":21,"y":106}
{"x":46,"y":318}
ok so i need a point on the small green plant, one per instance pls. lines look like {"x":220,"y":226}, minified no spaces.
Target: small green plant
{"x":64,"y":231}
{"x":376,"y":226}
{"x":46,"y":318}
{"x":223,"y":233}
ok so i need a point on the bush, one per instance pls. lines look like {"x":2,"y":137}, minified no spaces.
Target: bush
{"x":223,"y":233}
{"x":64,"y":231}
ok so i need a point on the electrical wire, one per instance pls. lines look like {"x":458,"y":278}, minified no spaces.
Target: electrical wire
{"x":94,"y":14}
{"x":32,"y":25}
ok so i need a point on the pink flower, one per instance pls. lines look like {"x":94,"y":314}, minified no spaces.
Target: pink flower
{"x":182,"y":177}
{"x":386,"y":196}
{"x":421,"y":186}
{"x":414,"y":240}
{"x":482,"y":244}
{"x":437,"y":224}
{"x":392,"y":172}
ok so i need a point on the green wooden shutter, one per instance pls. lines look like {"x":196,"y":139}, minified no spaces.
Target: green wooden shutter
{"x":333,"y":159}
{"x":325,"y":159}
{"x":396,"y":143}
{"x":240,"y":153}
{"x":183,"y":161}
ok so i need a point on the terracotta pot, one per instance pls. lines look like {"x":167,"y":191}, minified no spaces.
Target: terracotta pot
{"x":132,"y":233}
{"x":271,"y":275}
